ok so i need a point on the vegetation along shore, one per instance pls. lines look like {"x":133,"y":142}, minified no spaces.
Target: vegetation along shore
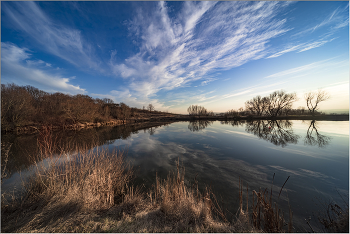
{"x":26,"y":109}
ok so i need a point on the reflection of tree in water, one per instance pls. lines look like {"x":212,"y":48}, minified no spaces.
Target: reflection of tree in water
{"x":24,"y":148}
{"x":313,"y":137}
{"x":152,"y":130}
{"x":278,"y":132}
{"x":199,"y":125}
{"x":233,"y":122}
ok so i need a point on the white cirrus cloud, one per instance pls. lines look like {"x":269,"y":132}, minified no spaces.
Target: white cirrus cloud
{"x":202,"y":38}
{"x":17,"y":66}
{"x":301,"y":70}
{"x":334,"y":21}
{"x":315,"y":45}
{"x":62,"y":41}
{"x":302,"y":46}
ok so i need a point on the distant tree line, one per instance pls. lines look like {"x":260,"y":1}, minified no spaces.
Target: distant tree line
{"x":278,"y":103}
{"x":23,"y":105}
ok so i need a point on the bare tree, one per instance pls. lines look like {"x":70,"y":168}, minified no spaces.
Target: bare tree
{"x":198,"y":110}
{"x":108,"y":101}
{"x":314,"y":98}
{"x":257,"y":105}
{"x":16,"y":106}
{"x":210,"y":113}
{"x":192,"y":110}
{"x":279,"y":101}
{"x":278,"y":132}
{"x":79,"y":108}
{"x":231,"y":113}
{"x":150,"y":107}
{"x":199,"y":125}
{"x":313,"y":137}
{"x":125,"y":111}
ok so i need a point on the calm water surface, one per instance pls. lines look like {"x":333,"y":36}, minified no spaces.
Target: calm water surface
{"x":314,"y":154}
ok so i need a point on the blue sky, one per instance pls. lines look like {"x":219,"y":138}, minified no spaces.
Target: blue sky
{"x":175,"y":54}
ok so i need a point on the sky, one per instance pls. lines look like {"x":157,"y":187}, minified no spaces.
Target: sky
{"x":176,"y":54}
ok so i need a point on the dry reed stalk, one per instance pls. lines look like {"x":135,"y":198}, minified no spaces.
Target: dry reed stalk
{"x":180,"y":202}
{"x":5,"y":148}
{"x":265,"y":215}
{"x":334,"y":217}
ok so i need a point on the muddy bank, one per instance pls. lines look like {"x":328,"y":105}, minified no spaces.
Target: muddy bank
{"x":35,"y":128}
{"x":30,"y":129}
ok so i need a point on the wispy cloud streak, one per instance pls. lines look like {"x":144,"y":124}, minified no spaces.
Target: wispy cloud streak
{"x":302,"y":47}
{"x":303,"y":69}
{"x":17,"y":66}
{"x":64,"y":42}
{"x":336,"y":20}
{"x":202,"y":38}
{"x":256,"y":90}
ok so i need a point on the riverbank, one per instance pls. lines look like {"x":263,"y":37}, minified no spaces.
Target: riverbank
{"x":31,"y":129}
{"x":250,"y":117}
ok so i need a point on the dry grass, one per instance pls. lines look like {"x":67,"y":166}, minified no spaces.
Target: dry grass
{"x":171,"y":206}
{"x":334,"y":217}
{"x":5,"y":148}
{"x":265,"y":214}
{"x":184,"y":208}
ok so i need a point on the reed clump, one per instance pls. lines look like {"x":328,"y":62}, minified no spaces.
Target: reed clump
{"x":5,"y":148}
{"x":183,"y":205}
{"x":335,"y":218}
{"x":97,"y":177}
{"x":174,"y":206}
{"x":264,"y":214}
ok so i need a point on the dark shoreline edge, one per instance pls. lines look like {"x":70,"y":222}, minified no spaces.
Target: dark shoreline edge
{"x":31,"y":129}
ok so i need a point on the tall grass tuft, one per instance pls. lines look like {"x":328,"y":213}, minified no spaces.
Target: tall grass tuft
{"x":97,"y":177}
{"x":184,"y":207}
{"x":335,"y":218}
{"x":5,"y":148}
{"x":179,"y":201}
{"x":265,"y":214}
